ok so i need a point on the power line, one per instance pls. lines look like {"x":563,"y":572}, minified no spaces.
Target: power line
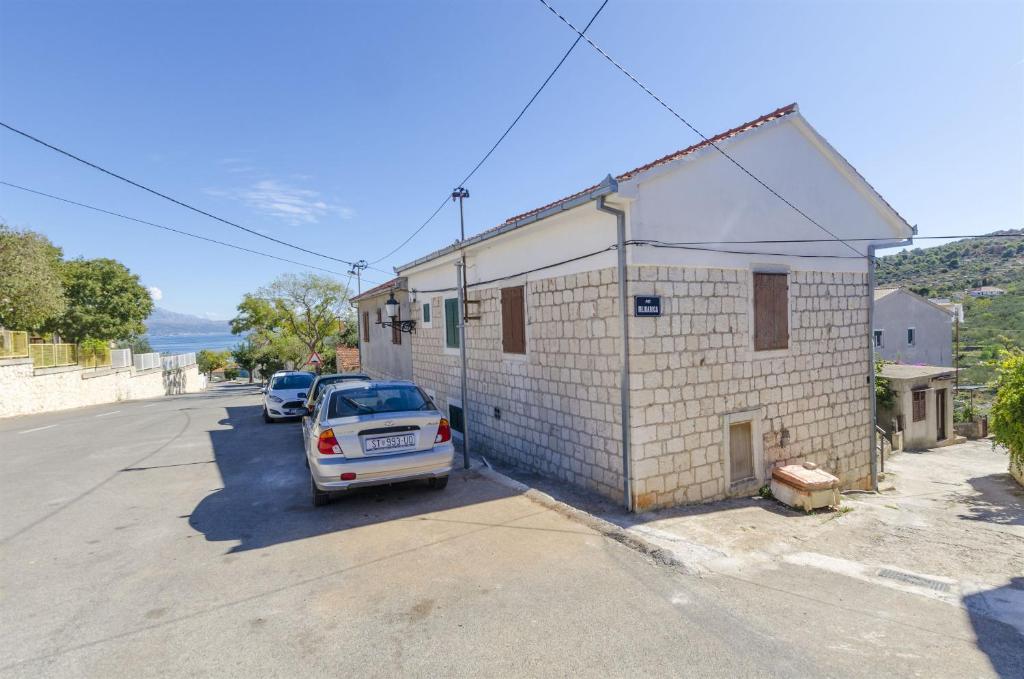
{"x":167,"y":228}
{"x":166,"y":197}
{"x":503,"y":134}
{"x":698,"y":132}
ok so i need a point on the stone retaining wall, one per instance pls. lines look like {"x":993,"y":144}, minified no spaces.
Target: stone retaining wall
{"x":25,"y":391}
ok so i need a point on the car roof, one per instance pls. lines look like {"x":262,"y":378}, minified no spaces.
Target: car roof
{"x":339,"y":386}
{"x":349,"y":375}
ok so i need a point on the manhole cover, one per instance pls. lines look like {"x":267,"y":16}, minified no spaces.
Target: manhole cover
{"x":911,"y":579}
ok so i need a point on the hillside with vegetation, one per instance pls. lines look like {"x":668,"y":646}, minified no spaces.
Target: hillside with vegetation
{"x":950,"y":270}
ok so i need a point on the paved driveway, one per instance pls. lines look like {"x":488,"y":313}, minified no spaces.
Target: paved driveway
{"x":175,"y":538}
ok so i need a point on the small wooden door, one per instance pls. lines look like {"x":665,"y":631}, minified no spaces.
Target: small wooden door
{"x":741,"y":452}
{"x":940,"y":414}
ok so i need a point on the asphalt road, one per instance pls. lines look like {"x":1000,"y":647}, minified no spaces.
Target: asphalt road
{"x":175,"y":537}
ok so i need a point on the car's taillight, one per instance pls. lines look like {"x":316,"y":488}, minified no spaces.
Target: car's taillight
{"x":444,"y":432}
{"x":328,"y":445}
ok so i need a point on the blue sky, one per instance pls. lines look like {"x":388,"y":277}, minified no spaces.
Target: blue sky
{"x":341,"y":125}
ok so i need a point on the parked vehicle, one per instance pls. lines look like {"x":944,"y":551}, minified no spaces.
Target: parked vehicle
{"x":322,"y":381}
{"x":375,"y":433}
{"x":285,"y":395}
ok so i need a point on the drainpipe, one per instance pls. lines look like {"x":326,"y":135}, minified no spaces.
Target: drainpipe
{"x":871,"y":367}
{"x":620,"y":244}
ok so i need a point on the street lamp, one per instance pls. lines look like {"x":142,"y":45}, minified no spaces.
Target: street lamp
{"x":391,"y":309}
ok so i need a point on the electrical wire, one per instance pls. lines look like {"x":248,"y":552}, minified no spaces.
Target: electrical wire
{"x":168,"y":228}
{"x":169,"y":198}
{"x":503,"y":134}
{"x":695,"y":130}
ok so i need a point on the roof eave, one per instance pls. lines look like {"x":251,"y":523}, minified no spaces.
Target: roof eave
{"x":607,"y":187}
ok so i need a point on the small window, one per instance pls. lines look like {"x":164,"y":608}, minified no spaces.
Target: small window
{"x":451,"y":323}
{"x":396,"y":329}
{"x":455,"y":418}
{"x":426,"y":313}
{"x":513,"y":321}
{"x":771,"y":311}
{"x":911,"y":336}
{"x":878,"y":339}
{"x":366,"y":326}
{"x":378,"y":316}
{"x":920,"y":402}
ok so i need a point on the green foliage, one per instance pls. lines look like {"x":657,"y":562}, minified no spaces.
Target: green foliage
{"x":231,"y":372}
{"x":105,"y":300}
{"x":137,"y":343}
{"x":1006,"y":419}
{"x":247,"y":356}
{"x":31,"y":290}
{"x":208,"y":360}
{"x":884,"y":397}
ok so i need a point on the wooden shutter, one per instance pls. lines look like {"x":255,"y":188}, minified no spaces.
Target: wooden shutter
{"x":513,"y":321}
{"x":396,"y":333}
{"x":366,"y":326}
{"x":451,"y":322}
{"x":426,"y":313}
{"x":920,"y":403}
{"x":741,"y":452}
{"x":771,"y":311}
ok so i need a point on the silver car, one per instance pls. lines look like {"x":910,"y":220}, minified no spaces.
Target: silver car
{"x":375,"y":433}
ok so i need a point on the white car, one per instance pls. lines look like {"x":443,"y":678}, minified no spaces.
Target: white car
{"x":285,"y":395}
{"x":375,"y":433}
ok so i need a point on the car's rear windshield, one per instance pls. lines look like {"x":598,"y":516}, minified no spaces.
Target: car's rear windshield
{"x":293,"y":381}
{"x":378,"y":399}
{"x":331,"y":379}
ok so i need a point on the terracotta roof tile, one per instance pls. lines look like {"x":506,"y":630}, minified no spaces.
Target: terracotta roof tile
{"x":383,"y":287}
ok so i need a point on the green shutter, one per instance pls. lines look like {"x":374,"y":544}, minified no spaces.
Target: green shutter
{"x":426,"y":313}
{"x":451,"y":323}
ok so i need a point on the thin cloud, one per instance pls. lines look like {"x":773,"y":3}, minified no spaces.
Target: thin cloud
{"x":282,"y":201}
{"x":156,"y":293}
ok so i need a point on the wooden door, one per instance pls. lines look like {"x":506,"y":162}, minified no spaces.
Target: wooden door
{"x":940,"y":414}
{"x":741,"y":452}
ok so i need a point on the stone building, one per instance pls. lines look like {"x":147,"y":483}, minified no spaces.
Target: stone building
{"x":632,"y":340}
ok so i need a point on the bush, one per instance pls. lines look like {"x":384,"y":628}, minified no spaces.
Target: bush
{"x":1006,"y":419}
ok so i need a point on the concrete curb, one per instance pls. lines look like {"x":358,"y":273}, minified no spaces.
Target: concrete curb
{"x":606,"y":528}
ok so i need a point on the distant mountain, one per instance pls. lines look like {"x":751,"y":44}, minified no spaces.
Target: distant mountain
{"x":164,"y":322}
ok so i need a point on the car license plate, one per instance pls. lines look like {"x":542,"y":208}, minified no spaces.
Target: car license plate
{"x":390,"y":442}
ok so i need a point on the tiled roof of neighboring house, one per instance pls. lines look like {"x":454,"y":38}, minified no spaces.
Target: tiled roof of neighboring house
{"x":897,"y":371}
{"x":383,"y":287}
{"x":664,"y":160}
{"x":884,"y":292}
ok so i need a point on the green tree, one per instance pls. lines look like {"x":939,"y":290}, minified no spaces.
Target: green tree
{"x":137,"y":343}
{"x":31,"y":290}
{"x":247,"y":356}
{"x":208,"y":360}
{"x":308,"y":307}
{"x":257,"y":316}
{"x":1006,"y":418}
{"x":105,"y":301}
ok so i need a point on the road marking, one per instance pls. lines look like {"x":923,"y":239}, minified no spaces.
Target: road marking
{"x":29,"y":431}
{"x":105,"y":414}
{"x":150,"y":405}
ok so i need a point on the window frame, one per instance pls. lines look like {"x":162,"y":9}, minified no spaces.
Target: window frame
{"x":445,"y":344}
{"x":366,"y":327}
{"x":756,"y":442}
{"x":396,"y":328}
{"x":915,"y":401}
{"x":879,"y":338}
{"x":752,"y":310}
{"x":911,"y":337}
{"x":426,"y":315}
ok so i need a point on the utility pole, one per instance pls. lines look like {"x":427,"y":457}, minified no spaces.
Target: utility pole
{"x":461,"y":194}
{"x":357,"y":271}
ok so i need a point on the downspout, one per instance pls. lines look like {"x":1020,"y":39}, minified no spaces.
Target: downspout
{"x":620,"y":244}
{"x":871,"y":368}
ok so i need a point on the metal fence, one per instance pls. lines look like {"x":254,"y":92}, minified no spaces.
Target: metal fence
{"x":13,"y":344}
{"x":147,"y":361}
{"x":120,"y":358}
{"x":179,"y":361}
{"x":94,"y":358}
{"x":53,"y":355}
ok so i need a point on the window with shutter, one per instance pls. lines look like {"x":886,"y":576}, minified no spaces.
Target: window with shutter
{"x":920,"y":403}
{"x":366,"y":326}
{"x":426,"y":313}
{"x":451,"y":323}
{"x":378,"y":315}
{"x":396,"y":333}
{"x":513,"y":321}
{"x":771,"y":311}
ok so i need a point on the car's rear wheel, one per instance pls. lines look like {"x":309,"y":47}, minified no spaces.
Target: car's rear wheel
{"x":320,"y":497}
{"x":438,"y":483}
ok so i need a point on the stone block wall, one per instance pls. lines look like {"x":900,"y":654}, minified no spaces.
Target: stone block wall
{"x":690,"y":368}
{"x":557,"y":405}
{"x":695,"y":364}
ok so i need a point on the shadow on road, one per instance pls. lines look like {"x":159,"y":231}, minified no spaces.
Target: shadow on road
{"x":998,"y":499}
{"x":1002,"y":642}
{"x":265,"y":497}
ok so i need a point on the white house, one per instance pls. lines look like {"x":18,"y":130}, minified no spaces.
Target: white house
{"x":911,"y":329}
{"x":630,"y":339}
{"x":986,"y":291}
{"x":384,"y":351}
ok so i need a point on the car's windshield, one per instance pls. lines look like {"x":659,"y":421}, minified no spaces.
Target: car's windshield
{"x":293,"y":381}
{"x":391,"y":398}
